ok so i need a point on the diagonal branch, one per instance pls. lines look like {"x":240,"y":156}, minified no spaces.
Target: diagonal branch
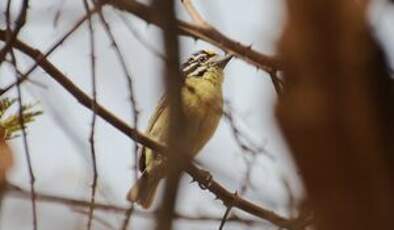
{"x":132,"y":99}
{"x":199,"y":175}
{"x":199,"y":21}
{"x":25,"y":76}
{"x":19,"y":23}
{"x":197,"y":18}
{"x":208,"y":34}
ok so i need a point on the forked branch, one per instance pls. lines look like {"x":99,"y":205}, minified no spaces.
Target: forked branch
{"x":199,"y":175}
{"x":203,"y":32}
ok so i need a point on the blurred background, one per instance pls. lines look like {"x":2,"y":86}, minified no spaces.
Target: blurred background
{"x":59,"y":139}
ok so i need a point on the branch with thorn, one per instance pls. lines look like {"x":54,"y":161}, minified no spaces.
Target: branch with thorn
{"x":202,"y":30}
{"x":216,"y":188}
{"x":77,"y":203}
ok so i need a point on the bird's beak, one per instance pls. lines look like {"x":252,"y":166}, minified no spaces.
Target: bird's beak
{"x":222,"y":62}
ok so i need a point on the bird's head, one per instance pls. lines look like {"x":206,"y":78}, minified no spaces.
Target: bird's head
{"x":203,"y":62}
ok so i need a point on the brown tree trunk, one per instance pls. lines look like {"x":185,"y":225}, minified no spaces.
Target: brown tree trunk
{"x":336,"y":114}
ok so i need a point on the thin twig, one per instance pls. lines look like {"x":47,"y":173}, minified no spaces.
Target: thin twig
{"x":207,"y":34}
{"x":197,"y":18}
{"x":243,"y":141}
{"x":250,"y":150}
{"x":74,"y":203}
{"x":230,"y":205}
{"x":19,"y":23}
{"x":213,"y":186}
{"x":53,"y":48}
{"x":278,"y":84}
{"x":33,"y":82}
{"x":58,"y":13}
{"x":101,"y":221}
{"x":133,"y":102}
{"x":94,"y":116}
{"x":22,"y":121}
{"x":127,"y":217}
{"x":225,"y":216}
{"x":203,"y":30}
{"x":26,"y":147}
{"x":137,"y":36}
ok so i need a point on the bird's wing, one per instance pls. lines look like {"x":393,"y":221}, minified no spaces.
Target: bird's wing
{"x":159,"y":109}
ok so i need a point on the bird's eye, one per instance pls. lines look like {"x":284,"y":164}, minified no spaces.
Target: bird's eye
{"x":202,"y":59}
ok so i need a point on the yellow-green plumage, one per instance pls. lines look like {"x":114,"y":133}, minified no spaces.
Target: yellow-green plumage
{"x":202,"y":103}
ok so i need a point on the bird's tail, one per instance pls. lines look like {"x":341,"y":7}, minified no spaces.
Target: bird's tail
{"x":143,"y":191}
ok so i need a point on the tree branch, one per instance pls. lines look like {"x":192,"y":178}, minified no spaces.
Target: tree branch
{"x":200,"y":176}
{"x":197,"y":18}
{"x":177,"y":156}
{"x":208,"y":34}
{"x":92,"y":43}
{"x":54,"y":47}
{"x":20,"y":192}
{"x":19,"y":23}
{"x":21,"y":120}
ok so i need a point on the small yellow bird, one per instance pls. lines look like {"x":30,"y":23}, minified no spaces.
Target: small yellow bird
{"x":202,"y":102}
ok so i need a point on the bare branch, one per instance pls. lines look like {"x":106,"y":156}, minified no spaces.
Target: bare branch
{"x":207,"y":34}
{"x":94,"y":116}
{"x":249,"y":149}
{"x":133,"y":102}
{"x":202,"y":30}
{"x":53,"y":48}
{"x":225,"y":216}
{"x":137,"y":36}
{"x":199,"y":21}
{"x":213,"y":186}
{"x":20,"y":111}
{"x":19,"y":23}
{"x":17,"y":191}
{"x":127,"y":217}
{"x":197,"y":18}
{"x":276,"y":81}
{"x":26,"y":148}
{"x":97,"y":219}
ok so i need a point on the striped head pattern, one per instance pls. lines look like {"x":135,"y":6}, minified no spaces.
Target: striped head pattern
{"x":198,"y":63}
{"x":202,"y":61}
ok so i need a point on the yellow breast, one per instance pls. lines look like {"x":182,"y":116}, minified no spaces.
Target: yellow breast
{"x":203,"y":103}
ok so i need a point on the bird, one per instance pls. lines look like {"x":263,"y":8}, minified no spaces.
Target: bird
{"x":202,"y":105}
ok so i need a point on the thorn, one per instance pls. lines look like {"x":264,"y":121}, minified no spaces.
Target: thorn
{"x":202,"y":186}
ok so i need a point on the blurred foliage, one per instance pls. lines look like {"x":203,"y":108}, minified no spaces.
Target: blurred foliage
{"x":11,"y":124}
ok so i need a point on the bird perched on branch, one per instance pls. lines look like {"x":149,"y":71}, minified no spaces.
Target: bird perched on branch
{"x":202,"y":102}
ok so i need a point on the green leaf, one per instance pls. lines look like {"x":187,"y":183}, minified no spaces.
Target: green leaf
{"x":12,"y":123}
